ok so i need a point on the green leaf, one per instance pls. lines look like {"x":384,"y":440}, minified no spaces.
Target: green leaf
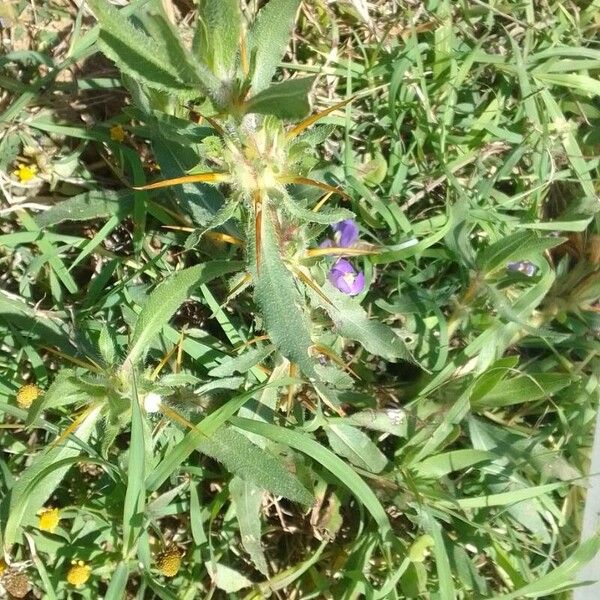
{"x":328,"y":217}
{"x":107,"y":345}
{"x":227,"y":579}
{"x":286,"y":100}
{"x":442,"y":562}
{"x":281,"y":302}
{"x":356,"y":446}
{"x":226,"y":212}
{"x":146,"y":59}
{"x":390,"y":420}
{"x":44,"y":326}
{"x":67,"y":388}
{"x":242,"y":363}
{"x":118,"y":582}
{"x":518,"y":246}
{"x":527,"y":387}
{"x":135,"y":495}
{"x":39,"y":480}
{"x":251,"y":463}
{"x":268,"y":38}
{"x":164,"y":301}
{"x":96,"y":204}
{"x":438,"y":465}
{"x":346,"y":475}
{"x":352,"y":322}
{"x":247,"y":501}
{"x":196,"y":526}
{"x":203,"y":430}
{"x":217,"y":36}
{"x":562,"y":577}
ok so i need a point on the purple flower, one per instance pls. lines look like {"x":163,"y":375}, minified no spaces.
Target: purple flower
{"x":345,"y":233}
{"x":345,"y":277}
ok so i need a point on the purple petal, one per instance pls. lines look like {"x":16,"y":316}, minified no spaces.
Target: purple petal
{"x":346,"y":233}
{"x":327,"y":243}
{"x":342,"y":266}
{"x":344,"y":277}
{"x":359,"y":284}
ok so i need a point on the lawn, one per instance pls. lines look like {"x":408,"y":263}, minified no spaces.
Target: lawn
{"x":298,"y":299}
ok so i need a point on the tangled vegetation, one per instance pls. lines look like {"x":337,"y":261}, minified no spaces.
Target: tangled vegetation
{"x":297,"y":299}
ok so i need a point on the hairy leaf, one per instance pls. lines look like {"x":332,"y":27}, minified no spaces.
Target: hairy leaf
{"x":217,"y":35}
{"x":166,"y":299}
{"x":280,"y":301}
{"x":268,"y":39}
{"x":251,"y":463}
{"x":286,"y":100}
{"x":353,"y":322}
{"x":242,"y":363}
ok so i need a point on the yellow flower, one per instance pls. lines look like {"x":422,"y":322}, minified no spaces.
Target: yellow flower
{"x":48,"y":519}
{"x":25,"y":172}
{"x":79,"y":573}
{"x":117,"y":133}
{"x":27,"y":394}
{"x":169,"y":562}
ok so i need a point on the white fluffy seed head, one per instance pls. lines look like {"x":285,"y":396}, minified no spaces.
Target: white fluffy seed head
{"x":152,"y":402}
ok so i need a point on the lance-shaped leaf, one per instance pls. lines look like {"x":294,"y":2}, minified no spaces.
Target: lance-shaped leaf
{"x":356,"y":446}
{"x":251,"y":463}
{"x":286,"y":100}
{"x":167,"y":298}
{"x":65,"y":389}
{"x":226,"y":212}
{"x":146,"y":59}
{"x":352,"y":322}
{"x":242,"y":363}
{"x":217,"y":35}
{"x":268,"y":39}
{"x":280,"y":300}
{"x":95,"y":204}
{"x":247,"y":500}
{"x":324,"y":218}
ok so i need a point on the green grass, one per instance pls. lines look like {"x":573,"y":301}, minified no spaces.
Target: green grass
{"x":472,"y":143}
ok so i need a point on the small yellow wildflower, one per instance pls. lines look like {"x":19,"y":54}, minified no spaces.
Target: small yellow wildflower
{"x":169,"y":562}
{"x":25,"y":173}
{"x":48,"y":519}
{"x":117,"y":133}
{"x":79,"y":573}
{"x":27,"y":394}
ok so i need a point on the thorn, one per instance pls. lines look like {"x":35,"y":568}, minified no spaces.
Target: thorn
{"x":197,"y":178}
{"x":287,"y":179}
{"x":306,"y":123}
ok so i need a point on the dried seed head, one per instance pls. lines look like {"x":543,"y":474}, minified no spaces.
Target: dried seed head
{"x":16,"y":583}
{"x":169,"y":562}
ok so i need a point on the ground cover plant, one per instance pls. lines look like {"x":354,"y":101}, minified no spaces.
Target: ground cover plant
{"x":297,"y":299}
